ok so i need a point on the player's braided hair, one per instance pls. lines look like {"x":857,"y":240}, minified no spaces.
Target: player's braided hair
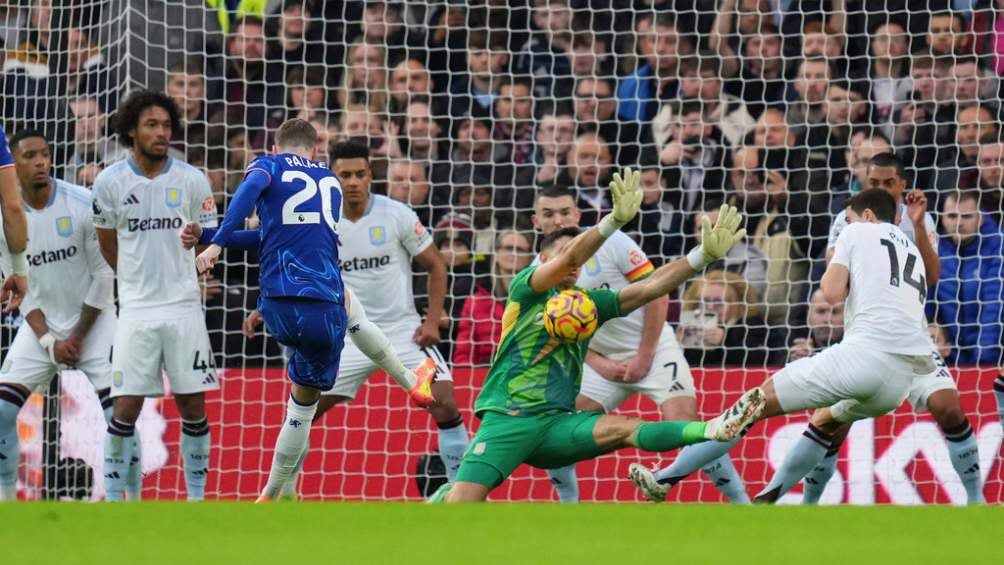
{"x":127,"y":117}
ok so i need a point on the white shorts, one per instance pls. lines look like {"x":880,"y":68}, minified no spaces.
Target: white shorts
{"x":147,"y":349}
{"x":855,"y":382}
{"x":28,"y":364}
{"x":923,"y":387}
{"x":355,"y":368}
{"x":668,"y":378}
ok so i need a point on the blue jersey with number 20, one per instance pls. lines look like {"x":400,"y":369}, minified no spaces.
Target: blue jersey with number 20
{"x":298,"y":202}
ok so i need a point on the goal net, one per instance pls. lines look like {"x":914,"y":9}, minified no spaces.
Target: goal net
{"x":470,"y":110}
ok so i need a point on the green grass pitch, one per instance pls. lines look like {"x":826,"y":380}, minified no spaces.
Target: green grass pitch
{"x":513,"y":534}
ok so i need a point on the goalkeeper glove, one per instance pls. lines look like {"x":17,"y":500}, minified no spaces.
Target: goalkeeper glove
{"x":627,"y":197}
{"x":716,"y":241}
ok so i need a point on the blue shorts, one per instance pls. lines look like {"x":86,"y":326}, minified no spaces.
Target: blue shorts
{"x":314,"y":331}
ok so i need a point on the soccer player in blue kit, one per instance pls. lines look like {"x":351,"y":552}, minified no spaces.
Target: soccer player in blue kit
{"x":15,"y":227}
{"x":303,"y":301}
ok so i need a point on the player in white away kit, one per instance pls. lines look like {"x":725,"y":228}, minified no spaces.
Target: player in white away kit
{"x":139,"y":206}
{"x":935,"y":392}
{"x":875,"y":271}
{"x":634,"y":354}
{"x":70,"y":307}
{"x":379,"y":239}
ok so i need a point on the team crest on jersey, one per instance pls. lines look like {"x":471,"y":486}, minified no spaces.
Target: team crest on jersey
{"x":64,"y":226}
{"x":117,"y":379}
{"x":173,"y":197}
{"x":592,"y":266}
{"x":378,"y":235}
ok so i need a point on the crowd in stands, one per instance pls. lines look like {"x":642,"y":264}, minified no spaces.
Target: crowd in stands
{"x":469,"y":107}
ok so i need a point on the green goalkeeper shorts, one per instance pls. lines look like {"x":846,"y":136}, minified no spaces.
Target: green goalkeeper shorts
{"x":547,"y":442}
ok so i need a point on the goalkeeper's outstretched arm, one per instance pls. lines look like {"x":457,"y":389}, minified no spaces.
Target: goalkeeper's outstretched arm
{"x":627,"y":198}
{"x":716,"y":242}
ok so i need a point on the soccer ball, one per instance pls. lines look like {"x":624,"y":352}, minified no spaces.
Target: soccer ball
{"x":570,"y":316}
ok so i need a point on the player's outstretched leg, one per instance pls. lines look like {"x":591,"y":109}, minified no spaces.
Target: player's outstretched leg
{"x":691,"y":459}
{"x":291,"y":445}
{"x":374,"y":344}
{"x":566,"y":484}
{"x":722,"y":429}
{"x":12,"y":398}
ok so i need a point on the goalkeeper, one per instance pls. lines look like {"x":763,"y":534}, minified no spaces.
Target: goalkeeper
{"x":527,"y":403}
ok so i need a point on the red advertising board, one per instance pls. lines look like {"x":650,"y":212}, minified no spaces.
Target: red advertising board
{"x":369,"y":449}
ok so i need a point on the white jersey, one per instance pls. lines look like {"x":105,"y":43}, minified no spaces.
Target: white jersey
{"x":156,"y":276}
{"x":375,"y":254}
{"x":67,"y":269}
{"x":885,"y":305}
{"x":618,"y":263}
{"x":840,"y":222}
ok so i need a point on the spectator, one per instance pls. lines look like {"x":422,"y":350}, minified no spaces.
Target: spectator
{"x":821,"y":39}
{"x":553,"y":138}
{"x":423,"y":139}
{"x":306,"y":94}
{"x":475,"y":204}
{"x":808,"y":95}
{"x":700,"y":79}
{"x":473,"y":93}
{"x":825,"y":326}
{"x":382,"y":26}
{"x":658,"y":227}
{"x":327,"y":134}
{"x":186,"y":85}
{"x":991,"y":180}
{"x":514,"y":120}
{"x":595,"y":109}
{"x":93,"y":147}
{"x":406,"y":182}
{"x":696,"y":156}
{"x":364,"y":82}
{"x":720,"y":322}
{"x":296,"y":36}
{"x":587,"y":174}
{"x":251,"y":87}
{"x":864,"y":144}
{"x":827,"y":142}
{"x":743,"y":258}
{"x":761,"y":83}
{"x":547,"y":55}
{"x":975,"y":125}
{"x":969,"y":299}
{"x":455,"y":242}
{"x":446,"y":43}
{"x":946,"y":34}
{"x":772,"y":130}
{"x":736,"y":23}
{"x":888,"y":69}
{"x":780,"y":222}
{"x":480,"y":324}
{"x":410,"y":82}
{"x":590,"y":55}
{"x":660,"y":46}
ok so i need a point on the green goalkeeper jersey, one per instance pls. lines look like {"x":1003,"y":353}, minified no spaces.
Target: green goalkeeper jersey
{"x":533,"y":373}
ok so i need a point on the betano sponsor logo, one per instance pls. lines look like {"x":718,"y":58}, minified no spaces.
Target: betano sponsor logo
{"x":150,"y":224}
{"x":362,"y":263}
{"x":46,"y":257}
